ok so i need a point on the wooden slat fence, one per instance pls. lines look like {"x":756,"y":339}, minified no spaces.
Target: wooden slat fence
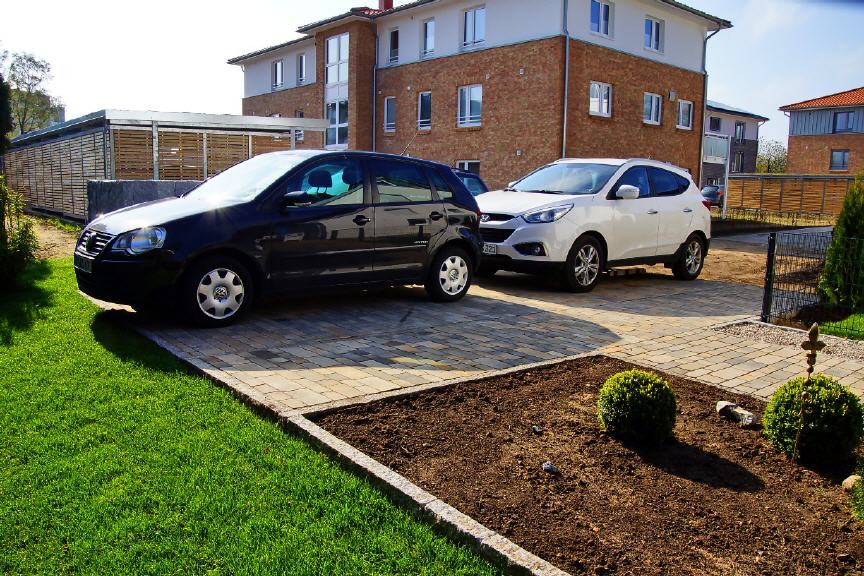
{"x":788,"y":193}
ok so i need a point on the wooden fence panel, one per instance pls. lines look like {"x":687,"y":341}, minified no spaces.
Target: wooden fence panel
{"x":792,"y":194}
{"x":225,"y":150}
{"x":264,"y":144}
{"x":133,"y":154}
{"x":181,"y":155}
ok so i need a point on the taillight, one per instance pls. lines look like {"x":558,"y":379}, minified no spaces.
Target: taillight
{"x":707,"y":204}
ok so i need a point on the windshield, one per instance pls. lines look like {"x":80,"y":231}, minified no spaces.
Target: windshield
{"x":244,"y":181}
{"x":567,"y":178}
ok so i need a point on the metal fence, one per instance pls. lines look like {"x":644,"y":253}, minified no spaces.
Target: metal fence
{"x":797,"y":286}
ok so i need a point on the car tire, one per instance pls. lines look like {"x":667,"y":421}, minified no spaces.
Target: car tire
{"x":690,"y":259}
{"x":486,"y":271}
{"x":216,"y":291}
{"x":584,"y":265}
{"x":450,"y":275}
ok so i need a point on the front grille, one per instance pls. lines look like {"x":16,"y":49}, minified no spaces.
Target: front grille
{"x":92,"y":243}
{"x":496,"y":217}
{"x":495,"y":235}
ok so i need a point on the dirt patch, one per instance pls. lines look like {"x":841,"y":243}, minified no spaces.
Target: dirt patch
{"x":722,"y":265}
{"x":53,"y":242}
{"x":717,"y":500}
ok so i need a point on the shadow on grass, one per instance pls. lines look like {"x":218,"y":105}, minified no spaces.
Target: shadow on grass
{"x":22,"y":304}
{"x":114,"y":331}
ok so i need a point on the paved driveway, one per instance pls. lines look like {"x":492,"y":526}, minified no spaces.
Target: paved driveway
{"x":312,"y":353}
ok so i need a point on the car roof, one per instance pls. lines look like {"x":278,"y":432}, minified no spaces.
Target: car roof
{"x":624,"y":161}
{"x":312,"y":153}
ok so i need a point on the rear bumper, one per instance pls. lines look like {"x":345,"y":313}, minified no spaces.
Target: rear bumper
{"x":128,"y":282}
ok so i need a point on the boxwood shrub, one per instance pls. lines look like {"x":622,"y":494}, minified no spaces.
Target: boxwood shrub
{"x":833,"y":422}
{"x":637,"y":405}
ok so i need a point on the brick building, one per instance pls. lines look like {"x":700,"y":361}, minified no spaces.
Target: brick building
{"x":826,"y":135}
{"x":729,"y":131}
{"x":499,"y":87}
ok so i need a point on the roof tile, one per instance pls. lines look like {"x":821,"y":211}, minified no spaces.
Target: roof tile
{"x":854,"y":97}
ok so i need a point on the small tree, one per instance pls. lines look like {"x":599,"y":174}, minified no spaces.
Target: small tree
{"x":842,"y":281}
{"x":17,"y":238}
{"x":5,"y":115}
{"x":32,"y":107}
{"x":771,"y":158}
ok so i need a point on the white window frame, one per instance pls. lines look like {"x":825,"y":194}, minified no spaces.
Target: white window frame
{"x":609,"y":20}
{"x":471,"y":24}
{"x":604,"y":89}
{"x":719,"y":121}
{"x":301,"y":69}
{"x":337,"y":86}
{"x":389,"y":127}
{"x":463,"y":165}
{"x":743,"y":132}
{"x":658,"y":32}
{"x":658,"y":108}
{"x":421,"y":125}
{"x":466,"y":120}
{"x":340,"y":60}
{"x":678,"y":123}
{"x":277,"y":74}
{"x":737,"y":162}
{"x":424,"y":51}
{"x":298,"y":134}
{"x":391,"y":57}
{"x":338,"y":145}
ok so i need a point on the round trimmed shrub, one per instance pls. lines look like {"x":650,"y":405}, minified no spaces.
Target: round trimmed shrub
{"x":833,"y":421}
{"x":637,"y":405}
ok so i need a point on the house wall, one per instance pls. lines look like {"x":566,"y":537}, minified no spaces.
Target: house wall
{"x":257,"y":72}
{"x":308,"y":98}
{"x":820,"y":122}
{"x":812,"y":154}
{"x":727,"y":125}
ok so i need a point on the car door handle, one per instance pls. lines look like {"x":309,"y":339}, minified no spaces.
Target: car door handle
{"x":435,"y":216}
{"x":652,"y":212}
{"x":688,"y":210}
{"x":361,"y":220}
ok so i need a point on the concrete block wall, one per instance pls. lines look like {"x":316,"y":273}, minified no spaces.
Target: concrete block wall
{"x":104,"y":196}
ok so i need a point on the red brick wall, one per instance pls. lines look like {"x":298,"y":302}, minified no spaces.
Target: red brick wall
{"x":520,"y":111}
{"x":812,"y":154}
{"x":287,"y":102}
{"x":624,"y":135}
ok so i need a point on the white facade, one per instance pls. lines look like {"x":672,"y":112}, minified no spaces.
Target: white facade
{"x":727,"y":125}
{"x":258,"y":71}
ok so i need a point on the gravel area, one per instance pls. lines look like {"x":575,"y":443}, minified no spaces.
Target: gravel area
{"x":852,"y":349}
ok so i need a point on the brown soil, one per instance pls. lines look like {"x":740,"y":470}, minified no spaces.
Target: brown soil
{"x":725,"y":265}
{"x":717,"y":500}
{"x":53,"y":242}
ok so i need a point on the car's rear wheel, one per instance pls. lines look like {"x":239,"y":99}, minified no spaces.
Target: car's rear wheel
{"x":450,"y":275}
{"x":691,"y":259}
{"x":584,"y":264}
{"x":216,"y":291}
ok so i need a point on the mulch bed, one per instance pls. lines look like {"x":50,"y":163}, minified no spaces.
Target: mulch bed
{"x":716,"y":500}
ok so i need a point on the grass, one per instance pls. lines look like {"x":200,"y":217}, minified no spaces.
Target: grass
{"x":117,"y":460}
{"x":59,"y":224}
{"x":844,"y":328}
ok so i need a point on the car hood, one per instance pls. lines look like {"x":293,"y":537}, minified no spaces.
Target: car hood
{"x":515,"y":203}
{"x":155,"y":213}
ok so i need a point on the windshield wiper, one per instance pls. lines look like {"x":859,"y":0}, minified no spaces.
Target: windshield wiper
{"x":544,"y":191}
{"x":510,"y":190}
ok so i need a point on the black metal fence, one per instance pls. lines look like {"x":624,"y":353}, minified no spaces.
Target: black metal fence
{"x":799,"y":290}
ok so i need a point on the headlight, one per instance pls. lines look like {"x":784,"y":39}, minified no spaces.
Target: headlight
{"x":140,"y":241}
{"x":547,"y":214}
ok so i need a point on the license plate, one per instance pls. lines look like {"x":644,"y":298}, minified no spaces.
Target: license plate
{"x":490,"y":249}
{"x":83,"y":263}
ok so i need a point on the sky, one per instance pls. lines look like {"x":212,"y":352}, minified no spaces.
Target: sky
{"x":170,"y":55}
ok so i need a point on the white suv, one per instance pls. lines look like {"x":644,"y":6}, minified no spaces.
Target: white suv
{"x":581,"y":217}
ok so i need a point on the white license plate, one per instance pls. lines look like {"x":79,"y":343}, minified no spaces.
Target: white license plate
{"x":490,"y":249}
{"x":83,"y":263}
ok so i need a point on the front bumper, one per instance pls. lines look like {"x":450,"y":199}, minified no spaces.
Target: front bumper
{"x":129,"y":281}
{"x":507,"y":239}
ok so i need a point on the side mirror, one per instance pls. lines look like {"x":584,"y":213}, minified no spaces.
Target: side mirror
{"x":298,"y":198}
{"x":627,"y":192}
{"x":511,"y":184}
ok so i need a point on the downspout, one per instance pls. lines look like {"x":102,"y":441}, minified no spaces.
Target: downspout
{"x":566,"y":33}
{"x":705,"y":105}
{"x":375,"y":96}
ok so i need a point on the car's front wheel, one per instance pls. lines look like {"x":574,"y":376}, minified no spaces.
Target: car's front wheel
{"x":216,"y":291}
{"x":450,"y":275}
{"x":584,"y":264}
{"x":691,"y":259}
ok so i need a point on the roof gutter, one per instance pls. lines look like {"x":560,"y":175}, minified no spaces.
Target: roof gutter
{"x":705,"y":102}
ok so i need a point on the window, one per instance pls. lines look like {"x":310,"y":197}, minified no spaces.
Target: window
{"x":474,"y":27}
{"x":470,"y":105}
{"x":399,"y":182}
{"x":740,"y":128}
{"x":337,"y":59}
{"x":839,"y":160}
{"x":336,"y":182}
{"x":337,"y":117}
{"x":652,"y":110}
{"x":715,"y":123}
{"x":424,"y":110}
{"x":567,"y":178}
{"x":600,"y":99}
{"x":738,"y":162}
{"x":301,"y":69}
{"x":394,"y":46}
{"x":473,"y":183}
{"x":601,"y":17}
{"x":390,"y":114}
{"x":428,"y":47}
{"x":277,"y":74}
{"x":472,"y":166}
{"x":442,"y":187}
{"x":636,"y":176}
{"x":844,"y":121}
{"x":299,"y":133}
{"x":653,"y":34}
{"x":666,"y":183}
{"x":685,"y":115}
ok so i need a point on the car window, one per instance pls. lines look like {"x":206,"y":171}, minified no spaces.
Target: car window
{"x":666,"y":183}
{"x":636,"y":176}
{"x":445,"y":192}
{"x":399,"y":182}
{"x":474,"y":184}
{"x":336,"y":182}
{"x":567,"y":178}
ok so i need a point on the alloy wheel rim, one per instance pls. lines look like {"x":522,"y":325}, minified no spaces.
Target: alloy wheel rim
{"x":587,"y":265}
{"x":453,"y":275}
{"x":694,"y":257}
{"x":220,"y":293}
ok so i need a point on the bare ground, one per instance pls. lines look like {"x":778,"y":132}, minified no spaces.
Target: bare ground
{"x":53,"y":242}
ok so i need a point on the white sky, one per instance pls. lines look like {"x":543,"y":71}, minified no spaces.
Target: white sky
{"x":170,"y":56}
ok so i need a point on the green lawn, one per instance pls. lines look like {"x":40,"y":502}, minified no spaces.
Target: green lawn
{"x":843,"y":328}
{"x":116,"y":460}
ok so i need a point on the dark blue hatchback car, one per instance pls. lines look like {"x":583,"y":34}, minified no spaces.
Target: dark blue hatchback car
{"x":294,"y":221}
